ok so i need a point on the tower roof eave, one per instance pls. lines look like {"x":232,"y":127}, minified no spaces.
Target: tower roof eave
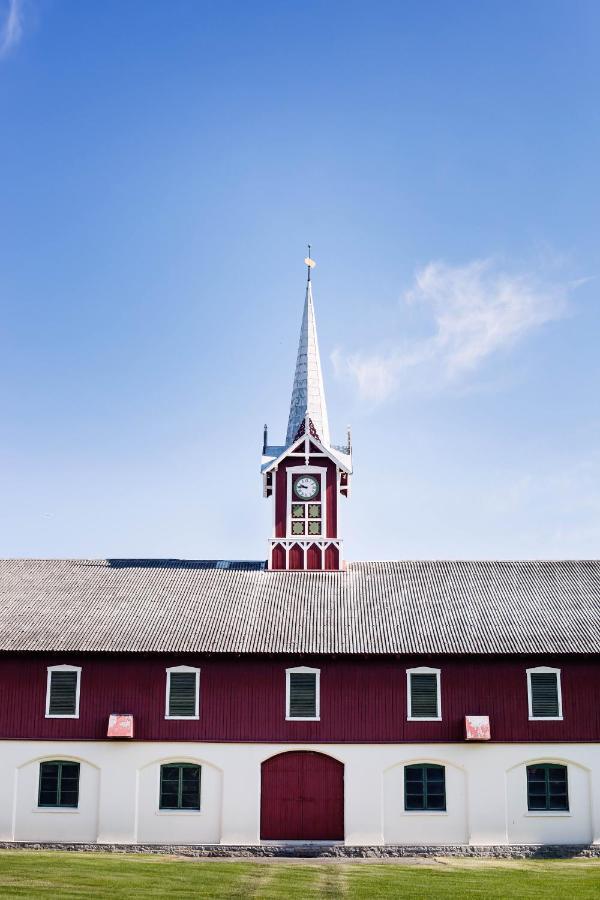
{"x":274,"y":455}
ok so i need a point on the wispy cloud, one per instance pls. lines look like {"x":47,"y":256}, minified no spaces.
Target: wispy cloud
{"x":11,"y":25}
{"x":474,"y":310}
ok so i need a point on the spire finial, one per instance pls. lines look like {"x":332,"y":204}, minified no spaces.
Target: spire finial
{"x":310,"y":263}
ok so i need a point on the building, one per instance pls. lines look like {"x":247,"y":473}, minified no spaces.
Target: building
{"x":303,"y":698}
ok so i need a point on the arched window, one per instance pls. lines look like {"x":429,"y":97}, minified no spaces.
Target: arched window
{"x":425,"y":787}
{"x":180,"y":786}
{"x":547,"y":787}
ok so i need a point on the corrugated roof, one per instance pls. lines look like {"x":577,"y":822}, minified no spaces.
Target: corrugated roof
{"x":373,"y":608}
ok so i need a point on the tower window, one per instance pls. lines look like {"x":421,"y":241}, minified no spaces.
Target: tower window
{"x":306,"y":509}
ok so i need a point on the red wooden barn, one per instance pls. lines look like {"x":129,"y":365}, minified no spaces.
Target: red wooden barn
{"x":302,"y":698}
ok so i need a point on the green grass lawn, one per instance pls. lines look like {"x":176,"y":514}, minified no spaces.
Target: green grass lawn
{"x":79,"y":875}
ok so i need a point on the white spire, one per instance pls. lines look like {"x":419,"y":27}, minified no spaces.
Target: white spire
{"x":308,"y":394}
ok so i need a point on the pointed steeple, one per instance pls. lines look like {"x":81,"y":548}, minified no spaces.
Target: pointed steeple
{"x":308,"y":394}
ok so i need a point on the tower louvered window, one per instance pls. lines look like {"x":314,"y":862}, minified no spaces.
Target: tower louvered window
{"x":424,"y":694}
{"x":182,"y":693}
{"x":62,"y":695}
{"x":544,"y":693}
{"x":302,"y":693}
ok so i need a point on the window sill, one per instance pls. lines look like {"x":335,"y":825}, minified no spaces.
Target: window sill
{"x":56,"y":809}
{"x":302,"y":718}
{"x":549,"y":814}
{"x":423,"y":719}
{"x":424,"y":812}
{"x":178,"y":812}
{"x":182,"y":718}
{"x":48,"y":716}
{"x":546,"y":719}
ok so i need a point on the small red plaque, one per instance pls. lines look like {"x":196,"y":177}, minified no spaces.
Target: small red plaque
{"x":120,"y":726}
{"x":477,"y":728}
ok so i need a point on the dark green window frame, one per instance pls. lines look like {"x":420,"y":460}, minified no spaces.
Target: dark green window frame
{"x":547,"y":788}
{"x":425,"y":788}
{"x":180,"y":786}
{"x":59,"y":784}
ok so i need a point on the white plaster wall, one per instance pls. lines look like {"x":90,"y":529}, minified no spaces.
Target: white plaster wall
{"x":34,"y":824}
{"x":119,"y":792}
{"x":159,"y":826}
{"x":423,"y":827}
{"x":524,"y":827}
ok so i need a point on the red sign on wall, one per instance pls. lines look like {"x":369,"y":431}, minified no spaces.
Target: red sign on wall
{"x":477,"y":728}
{"x":120,"y":726}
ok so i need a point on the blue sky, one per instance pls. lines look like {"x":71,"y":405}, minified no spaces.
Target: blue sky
{"x":162,"y":166}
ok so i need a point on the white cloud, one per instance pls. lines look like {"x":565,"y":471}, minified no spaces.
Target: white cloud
{"x":11,"y":28}
{"x":476,"y":310}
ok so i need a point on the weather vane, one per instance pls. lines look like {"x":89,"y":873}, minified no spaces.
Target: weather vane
{"x":309,"y":262}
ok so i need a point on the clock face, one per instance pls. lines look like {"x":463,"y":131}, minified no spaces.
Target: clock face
{"x":306,"y":487}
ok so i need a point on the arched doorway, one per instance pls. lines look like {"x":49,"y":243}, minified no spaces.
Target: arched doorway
{"x":302,"y":797}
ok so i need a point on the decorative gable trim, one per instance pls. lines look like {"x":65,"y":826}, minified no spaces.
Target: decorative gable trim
{"x":301,"y":447}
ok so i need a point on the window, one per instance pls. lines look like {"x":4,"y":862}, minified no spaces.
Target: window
{"x":180,"y":786}
{"x":183,"y":693}
{"x":547,"y":788}
{"x":59,"y":784}
{"x":306,"y":518}
{"x":302,"y":693}
{"x":425,"y":788}
{"x":306,"y":507}
{"x":62,"y":692}
{"x":423,"y":689}
{"x":544,"y":693}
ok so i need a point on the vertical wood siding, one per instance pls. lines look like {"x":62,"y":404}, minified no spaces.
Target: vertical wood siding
{"x":243,"y":699}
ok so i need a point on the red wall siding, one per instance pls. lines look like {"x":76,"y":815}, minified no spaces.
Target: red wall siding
{"x":243,"y":699}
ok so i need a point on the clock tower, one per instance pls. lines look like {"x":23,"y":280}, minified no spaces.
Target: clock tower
{"x":307,"y":474}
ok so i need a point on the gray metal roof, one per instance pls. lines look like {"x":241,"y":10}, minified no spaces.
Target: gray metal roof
{"x":237,"y":607}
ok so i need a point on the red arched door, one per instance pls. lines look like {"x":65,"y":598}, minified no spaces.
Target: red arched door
{"x":302,"y":797}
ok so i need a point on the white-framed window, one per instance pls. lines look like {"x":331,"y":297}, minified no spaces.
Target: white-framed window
{"x":62,"y":692}
{"x":182,"y":699}
{"x":302,"y":694}
{"x":544,"y":694}
{"x":424,"y":702}
{"x":306,"y":507}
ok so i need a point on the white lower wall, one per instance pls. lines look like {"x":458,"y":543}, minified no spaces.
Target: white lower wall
{"x":401,"y":826}
{"x":485,"y":785}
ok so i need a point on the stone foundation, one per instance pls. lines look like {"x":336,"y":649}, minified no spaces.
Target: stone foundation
{"x":326,"y":851}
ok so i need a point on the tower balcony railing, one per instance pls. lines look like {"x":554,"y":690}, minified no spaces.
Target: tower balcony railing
{"x":305,"y":553}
